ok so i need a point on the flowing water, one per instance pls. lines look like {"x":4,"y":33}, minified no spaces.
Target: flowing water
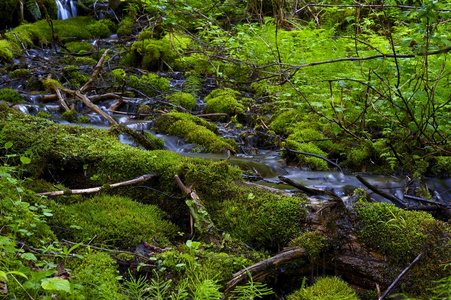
{"x":66,"y":9}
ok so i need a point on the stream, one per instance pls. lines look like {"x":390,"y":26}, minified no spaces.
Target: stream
{"x":262,"y":166}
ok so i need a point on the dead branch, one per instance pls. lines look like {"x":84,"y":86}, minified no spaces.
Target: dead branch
{"x":401,"y":275}
{"x":97,"y":189}
{"x":95,"y":73}
{"x":392,"y":198}
{"x":199,"y":214}
{"x":263,"y":268}
{"x":310,"y":191}
{"x":314,"y":155}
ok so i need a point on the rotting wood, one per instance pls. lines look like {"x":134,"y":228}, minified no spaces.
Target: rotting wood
{"x":95,"y":73}
{"x":98,"y":189}
{"x":199,"y":214}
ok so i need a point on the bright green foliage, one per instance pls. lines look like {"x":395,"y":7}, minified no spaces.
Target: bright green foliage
{"x":102,"y":28}
{"x":11,"y":96}
{"x":20,"y":73}
{"x":116,"y":221}
{"x":282,"y":123}
{"x":326,"y":288}
{"x":150,"y":84}
{"x":194,"y":130}
{"x":118,"y":75}
{"x":223,"y":101}
{"x":83,"y":61}
{"x":98,"y":275}
{"x":69,"y":115}
{"x":79,"y":47}
{"x":125,"y":27}
{"x":185,"y":100}
{"x":152,"y":54}
{"x":75,"y":77}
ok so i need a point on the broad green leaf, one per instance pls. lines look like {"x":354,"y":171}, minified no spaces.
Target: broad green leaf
{"x":29,"y":256}
{"x":56,"y":284}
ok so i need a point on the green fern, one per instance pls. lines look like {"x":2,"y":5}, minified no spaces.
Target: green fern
{"x":34,"y":9}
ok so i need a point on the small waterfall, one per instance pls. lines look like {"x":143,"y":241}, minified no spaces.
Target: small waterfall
{"x":66,"y":9}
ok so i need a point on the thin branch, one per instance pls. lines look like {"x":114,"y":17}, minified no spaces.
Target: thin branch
{"x":97,"y":189}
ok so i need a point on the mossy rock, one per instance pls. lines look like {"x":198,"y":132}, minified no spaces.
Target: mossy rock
{"x":325,"y":288}
{"x":150,"y":84}
{"x":257,"y":217}
{"x":126,"y":27}
{"x":146,"y":140}
{"x":78,"y":47}
{"x":284,"y":121}
{"x":152,"y":54}
{"x":6,"y":51}
{"x":11,"y":96}
{"x":115,"y":220}
{"x":102,"y":28}
{"x":401,"y":236}
{"x":185,"y":100}
{"x":194,"y":130}
{"x":20,"y":73}
{"x":223,"y":101}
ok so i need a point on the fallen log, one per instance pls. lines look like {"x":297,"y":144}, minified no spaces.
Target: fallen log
{"x":392,"y":198}
{"x":311,"y":191}
{"x":99,"y":188}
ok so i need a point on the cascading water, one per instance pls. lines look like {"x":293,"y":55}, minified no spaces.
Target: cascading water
{"x":66,"y":9}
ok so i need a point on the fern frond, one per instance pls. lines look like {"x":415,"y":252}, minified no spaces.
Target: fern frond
{"x":34,"y":9}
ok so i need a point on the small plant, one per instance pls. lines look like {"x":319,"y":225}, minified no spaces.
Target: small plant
{"x":11,"y":96}
{"x":251,"y":290}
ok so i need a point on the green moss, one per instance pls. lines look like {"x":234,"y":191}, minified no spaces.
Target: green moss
{"x":223,"y":101}
{"x":126,"y":27}
{"x":282,"y":123}
{"x":43,"y":114}
{"x":144,"y":109}
{"x":83,"y":119}
{"x":150,"y":84}
{"x":102,"y":28}
{"x":69,"y":115}
{"x":118,"y":75}
{"x":185,"y":100}
{"x":116,"y":221}
{"x":153,"y":54}
{"x":194,"y":130}
{"x":192,"y":84}
{"x":49,"y":82}
{"x":312,"y":241}
{"x":20,"y":73}
{"x":85,"y":61}
{"x":401,"y":235}
{"x":326,"y":288}
{"x":78,"y":47}
{"x":75,"y":77}
{"x":442,"y":166}
{"x":6,"y":51}
{"x":98,"y":275}
{"x":11,"y":96}
{"x":310,"y":161}
{"x":257,"y":217}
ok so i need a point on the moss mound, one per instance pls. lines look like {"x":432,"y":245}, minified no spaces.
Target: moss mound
{"x":151,"y":54}
{"x":115,"y":220}
{"x":223,"y":101}
{"x":185,"y":100}
{"x":326,"y":288}
{"x":194,"y":130}
{"x":11,"y":96}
